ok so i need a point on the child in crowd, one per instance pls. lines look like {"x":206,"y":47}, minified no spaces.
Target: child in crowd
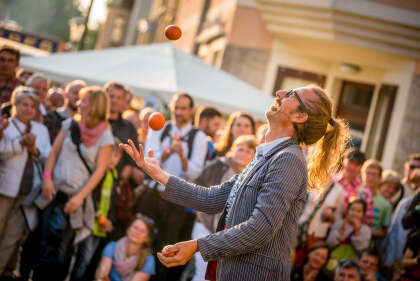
{"x":350,"y":235}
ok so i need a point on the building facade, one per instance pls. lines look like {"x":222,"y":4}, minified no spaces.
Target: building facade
{"x":365,"y":53}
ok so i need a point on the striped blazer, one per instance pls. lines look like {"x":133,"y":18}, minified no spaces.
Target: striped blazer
{"x":262,"y":221}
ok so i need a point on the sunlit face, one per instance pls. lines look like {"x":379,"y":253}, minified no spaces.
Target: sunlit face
{"x":347,"y":274}
{"x":372,"y":177}
{"x":369,"y":263}
{"x":318,"y":258}
{"x":73,"y":96}
{"x":8,"y":64}
{"x":388,"y":189}
{"x":41,"y":87}
{"x":84,"y":107}
{"x":241,"y":126}
{"x":212,"y":125}
{"x":117,"y":99}
{"x":351,"y":169}
{"x":138,"y":233}
{"x":181,"y":110}
{"x":242,"y":154}
{"x":26,"y":110}
{"x":355,"y":211}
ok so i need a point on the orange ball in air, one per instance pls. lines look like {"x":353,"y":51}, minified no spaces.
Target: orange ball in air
{"x":101,"y":220}
{"x":156,"y":121}
{"x":173,"y":32}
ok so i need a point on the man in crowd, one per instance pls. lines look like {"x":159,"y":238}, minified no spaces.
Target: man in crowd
{"x":54,"y":118}
{"x":9,"y":61}
{"x":369,"y":263}
{"x":129,"y":175}
{"x":40,"y":83}
{"x":208,"y":120}
{"x":348,"y":270}
{"x":407,"y":188}
{"x":181,"y":149}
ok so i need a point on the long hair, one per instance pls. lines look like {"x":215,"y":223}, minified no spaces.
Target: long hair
{"x":146,"y":247}
{"x":99,"y":103}
{"x":328,"y":134}
{"x":226,"y":140}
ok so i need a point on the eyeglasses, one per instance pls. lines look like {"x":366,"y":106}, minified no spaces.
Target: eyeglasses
{"x":294,"y":92}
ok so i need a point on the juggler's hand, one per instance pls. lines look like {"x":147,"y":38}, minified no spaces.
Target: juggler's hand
{"x":178,"y":254}
{"x":150,"y":165}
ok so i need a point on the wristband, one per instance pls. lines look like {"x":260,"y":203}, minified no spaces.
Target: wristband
{"x":46,"y":175}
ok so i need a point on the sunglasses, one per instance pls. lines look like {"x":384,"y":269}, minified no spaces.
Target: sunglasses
{"x":144,"y":218}
{"x":412,"y":167}
{"x":293,"y":92}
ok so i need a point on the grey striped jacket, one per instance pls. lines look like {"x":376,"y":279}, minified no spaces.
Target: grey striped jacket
{"x":262,"y":221}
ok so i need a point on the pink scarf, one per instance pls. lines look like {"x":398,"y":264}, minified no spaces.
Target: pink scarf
{"x":124,"y":265}
{"x":89,"y":136}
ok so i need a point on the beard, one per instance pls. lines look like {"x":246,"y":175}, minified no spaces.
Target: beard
{"x":72,"y":107}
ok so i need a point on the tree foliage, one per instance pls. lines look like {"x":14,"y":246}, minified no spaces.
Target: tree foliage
{"x":44,"y":17}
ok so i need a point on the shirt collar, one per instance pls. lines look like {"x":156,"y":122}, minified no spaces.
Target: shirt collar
{"x":184,"y":129}
{"x":264,"y":148}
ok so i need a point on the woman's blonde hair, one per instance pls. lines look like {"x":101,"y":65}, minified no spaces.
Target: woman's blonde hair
{"x":20,"y":93}
{"x":249,"y":140}
{"x":98,"y":103}
{"x":226,"y":140}
{"x":328,"y":134}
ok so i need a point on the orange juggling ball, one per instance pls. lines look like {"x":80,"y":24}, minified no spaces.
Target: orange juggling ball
{"x":156,"y":121}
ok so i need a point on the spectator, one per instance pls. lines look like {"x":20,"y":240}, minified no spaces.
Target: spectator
{"x":23,"y":75}
{"x":369,"y":263}
{"x":40,"y":84}
{"x":216,"y":172}
{"x":349,"y":179}
{"x":262,"y":130}
{"x":104,"y":198}
{"x":71,"y":161}
{"x":407,"y":189}
{"x":133,"y":117}
{"x":144,"y":124}
{"x":348,"y":270}
{"x":389,"y":185}
{"x":371,"y":175}
{"x":9,"y":61}
{"x":54,"y":119}
{"x":349,"y":236}
{"x":238,"y":124}
{"x":208,"y":120}
{"x":312,"y":268}
{"x":130,"y":258}
{"x":181,"y":149}
{"x":411,"y":219}
{"x":23,"y":148}
{"x":128,"y":173}
{"x":55,"y":99}
{"x":320,"y":212}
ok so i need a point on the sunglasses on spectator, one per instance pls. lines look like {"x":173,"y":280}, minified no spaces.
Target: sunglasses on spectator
{"x":412,"y":167}
{"x":293,"y":92}
{"x":144,"y":218}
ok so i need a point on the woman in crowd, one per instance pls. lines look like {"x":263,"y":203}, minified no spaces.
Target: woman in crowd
{"x":79,"y":149}
{"x":349,"y":236}
{"x":40,"y":84}
{"x":130,"y":258}
{"x":238,"y":124}
{"x":312,"y":268}
{"x":144,"y":124}
{"x":24,"y":147}
{"x":217,"y":171}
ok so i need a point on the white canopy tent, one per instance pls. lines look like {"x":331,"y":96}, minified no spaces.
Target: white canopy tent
{"x":157,"y":69}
